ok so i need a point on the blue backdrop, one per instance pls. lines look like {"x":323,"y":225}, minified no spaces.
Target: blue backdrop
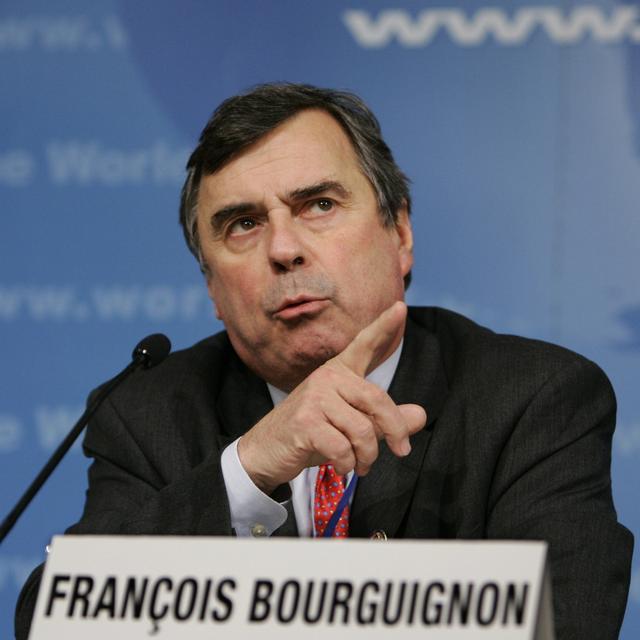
{"x":518,"y":123}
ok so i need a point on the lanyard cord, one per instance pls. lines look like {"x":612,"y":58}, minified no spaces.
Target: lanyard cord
{"x":342,"y":505}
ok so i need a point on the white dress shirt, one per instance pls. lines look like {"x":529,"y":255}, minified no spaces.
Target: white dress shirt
{"x":254,"y":513}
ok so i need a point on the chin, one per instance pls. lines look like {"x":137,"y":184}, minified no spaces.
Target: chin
{"x":310,"y":359}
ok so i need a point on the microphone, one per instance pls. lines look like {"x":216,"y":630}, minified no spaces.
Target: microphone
{"x":149,"y":352}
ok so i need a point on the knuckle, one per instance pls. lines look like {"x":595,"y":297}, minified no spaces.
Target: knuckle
{"x":343,"y":450}
{"x":368,"y":387}
{"x":322,"y":373}
{"x":376,"y":394}
{"x":362,"y":428}
{"x":403,"y":427}
{"x":305,"y":415}
{"x":367,"y":459}
{"x":330,"y":370}
{"x":317,"y":380}
{"x":381,"y":394}
{"x":342,"y":468}
{"x":337,"y":374}
{"x":314,"y":398}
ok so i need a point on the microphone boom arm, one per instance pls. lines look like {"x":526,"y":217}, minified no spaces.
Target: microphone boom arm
{"x":149,"y":352}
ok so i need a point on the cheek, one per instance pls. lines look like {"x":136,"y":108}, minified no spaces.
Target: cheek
{"x":381,"y":275}
{"x":379,"y":260}
{"x":233,"y":293}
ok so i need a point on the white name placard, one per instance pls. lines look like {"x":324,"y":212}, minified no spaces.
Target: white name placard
{"x":102,"y":587}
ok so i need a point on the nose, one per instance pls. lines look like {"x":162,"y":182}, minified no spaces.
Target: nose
{"x":285,"y":248}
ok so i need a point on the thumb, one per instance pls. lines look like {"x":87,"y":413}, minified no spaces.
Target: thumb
{"x":415,"y":416}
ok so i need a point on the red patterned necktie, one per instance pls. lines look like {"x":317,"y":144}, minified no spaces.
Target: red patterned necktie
{"x":329,"y":490}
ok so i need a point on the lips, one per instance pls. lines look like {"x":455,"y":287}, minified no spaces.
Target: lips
{"x":304,"y":305}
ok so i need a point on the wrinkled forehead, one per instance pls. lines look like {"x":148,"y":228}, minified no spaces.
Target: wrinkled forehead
{"x":308,"y":148}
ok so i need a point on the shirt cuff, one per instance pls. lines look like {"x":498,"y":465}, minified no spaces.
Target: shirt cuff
{"x":253,"y":513}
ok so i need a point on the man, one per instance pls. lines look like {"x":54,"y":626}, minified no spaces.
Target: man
{"x":299,"y":218}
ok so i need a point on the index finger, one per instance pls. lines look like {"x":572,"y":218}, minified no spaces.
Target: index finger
{"x":376,"y":341}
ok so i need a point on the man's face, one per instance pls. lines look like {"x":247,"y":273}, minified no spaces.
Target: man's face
{"x":299,"y":261}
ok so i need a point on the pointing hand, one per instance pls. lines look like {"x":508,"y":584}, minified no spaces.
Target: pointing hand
{"x":335,"y":414}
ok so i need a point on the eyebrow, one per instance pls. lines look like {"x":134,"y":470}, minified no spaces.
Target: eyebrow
{"x":220,"y":217}
{"x":317,"y":189}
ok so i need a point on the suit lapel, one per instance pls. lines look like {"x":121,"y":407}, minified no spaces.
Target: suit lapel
{"x":244,"y":399}
{"x":384,"y":494}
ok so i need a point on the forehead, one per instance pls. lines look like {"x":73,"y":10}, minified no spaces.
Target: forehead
{"x":308,"y":147}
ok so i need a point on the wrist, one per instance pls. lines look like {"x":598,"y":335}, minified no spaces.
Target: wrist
{"x":259,"y":476}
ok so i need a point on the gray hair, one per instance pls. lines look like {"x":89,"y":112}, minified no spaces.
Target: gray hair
{"x":242,"y":120}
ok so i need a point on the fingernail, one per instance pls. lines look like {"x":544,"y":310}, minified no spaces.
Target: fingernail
{"x":405,"y":449}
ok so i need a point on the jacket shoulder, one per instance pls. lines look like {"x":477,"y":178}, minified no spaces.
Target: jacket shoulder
{"x":472,"y":352}
{"x":197,"y":367}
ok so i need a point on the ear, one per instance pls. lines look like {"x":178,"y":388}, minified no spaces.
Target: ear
{"x":405,"y":239}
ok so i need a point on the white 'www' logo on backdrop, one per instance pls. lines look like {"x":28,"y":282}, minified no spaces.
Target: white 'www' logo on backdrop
{"x":619,"y":25}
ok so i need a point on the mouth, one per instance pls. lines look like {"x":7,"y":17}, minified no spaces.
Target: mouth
{"x":294,"y":308}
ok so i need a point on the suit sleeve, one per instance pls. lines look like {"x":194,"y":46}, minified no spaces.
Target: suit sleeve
{"x":141,"y":482}
{"x":553,"y":483}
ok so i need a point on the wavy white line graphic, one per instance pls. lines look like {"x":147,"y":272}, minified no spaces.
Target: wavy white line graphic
{"x":490,"y":24}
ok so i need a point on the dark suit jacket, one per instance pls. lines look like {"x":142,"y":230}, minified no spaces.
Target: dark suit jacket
{"x":517,"y":446}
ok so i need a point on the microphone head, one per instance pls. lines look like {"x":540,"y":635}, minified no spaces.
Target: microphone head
{"x":152,"y":350}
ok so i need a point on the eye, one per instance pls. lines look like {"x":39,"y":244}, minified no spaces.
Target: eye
{"x":240,"y":226}
{"x":323,"y":205}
